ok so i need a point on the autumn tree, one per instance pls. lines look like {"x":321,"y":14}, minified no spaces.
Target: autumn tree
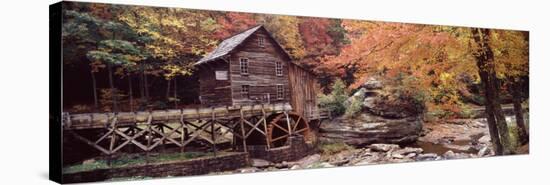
{"x":511,"y":53}
{"x":286,"y":31}
{"x":178,"y":38}
{"x":486,"y":63}
{"x":231,"y":23}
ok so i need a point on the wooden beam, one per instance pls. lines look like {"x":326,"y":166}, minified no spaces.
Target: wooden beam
{"x":130,"y":140}
{"x":100,"y":120}
{"x":264,"y":118}
{"x":288,"y":123}
{"x":88,"y":142}
{"x":242,"y":132}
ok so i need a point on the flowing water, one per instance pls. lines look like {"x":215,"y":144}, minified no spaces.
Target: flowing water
{"x":439,"y":149}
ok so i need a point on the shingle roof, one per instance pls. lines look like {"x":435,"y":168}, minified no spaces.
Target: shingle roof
{"x":228,"y":45}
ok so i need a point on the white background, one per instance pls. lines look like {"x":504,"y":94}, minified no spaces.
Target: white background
{"x":24,"y":90}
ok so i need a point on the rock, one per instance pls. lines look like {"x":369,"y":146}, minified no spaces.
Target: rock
{"x":360,"y":92}
{"x":325,"y":165}
{"x":295,"y":167}
{"x":467,"y":148}
{"x":449,"y":154}
{"x":308,"y":160}
{"x":369,"y":102}
{"x":339,"y":163}
{"x":397,"y":156}
{"x":483,"y":151}
{"x":486,"y":139}
{"x":383,"y":147}
{"x":372,"y":83}
{"x":367,"y":129}
{"x":356,"y":96}
{"x":260,"y":163}
{"x":89,"y":161}
{"x":409,"y":150}
{"x":410,"y":155}
{"x":380,"y":120}
{"x":459,"y":121}
{"x":248,"y":170}
{"x":477,"y":136}
{"x":452,"y":155}
{"x":283,"y":164}
{"x":426,"y":157}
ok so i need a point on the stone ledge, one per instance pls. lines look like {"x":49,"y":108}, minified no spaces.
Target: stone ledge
{"x":197,"y":166}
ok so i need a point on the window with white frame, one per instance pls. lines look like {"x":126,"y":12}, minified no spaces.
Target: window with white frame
{"x":244,"y":66}
{"x":261,"y":42}
{"x":279,"y":68}
{"x":280,"y":91}
{"x":245,"y":91}
{"x":221,"y":75}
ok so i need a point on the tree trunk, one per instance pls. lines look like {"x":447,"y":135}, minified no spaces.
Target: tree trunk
{"x":175,"y":92}
{"x":518,"y":111}
{"x":498,"y":128}
{"x":130,"y":92}
{"x":112,"y":85}
{"x":94,"y":87}
{"x":145,"y":86}
{"x":141,"y":85}
{"x":489,"y":111}
{"x":499,"y":115}
{"x":168,"y":90}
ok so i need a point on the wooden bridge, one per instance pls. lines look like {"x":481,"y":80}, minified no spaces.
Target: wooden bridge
{"x":262,"y":124}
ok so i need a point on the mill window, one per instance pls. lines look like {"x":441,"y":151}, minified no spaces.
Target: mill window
{"x":261,"y":42}
{"x":280,"y":92}
{"x":245,"y":91}
{"x":244,"y":66}
{"x":279,"y":68}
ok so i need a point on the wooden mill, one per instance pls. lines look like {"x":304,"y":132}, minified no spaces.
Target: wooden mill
{"x":251,"y":93}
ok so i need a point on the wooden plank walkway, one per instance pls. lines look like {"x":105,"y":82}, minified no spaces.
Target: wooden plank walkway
{"x":103,"y":120}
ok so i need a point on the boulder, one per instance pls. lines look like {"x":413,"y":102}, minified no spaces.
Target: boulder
{"x":448,"y":154}
{"x":248,"y":170}
{"x":452,"y":155}
{"x":355,"y":96}
{"x":308,"y":160}
{"x":484,"y":151}
{"x":410,"y":155}
{"x":486,"y":139}
{"x":397,"y":156}
{"x":373,"y":159}
{"x":365,"y":129}
{"x":383,"y":147}
{"x":325,"y":165}
{"x":427,"y":157}
{"x":89,"y":161}
{"x":372,"y":83}
{"x":380,"y":120}
{"x":295,"y":167}
{"x":409,"y":150}
{"x":260,"y":163}
{"x":339,"y":163}
{"x":369,"y":102}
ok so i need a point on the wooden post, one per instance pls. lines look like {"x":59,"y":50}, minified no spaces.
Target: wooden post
{"x":264,"y":117}
{"x":113,"y":139}
{"x":213,"y":134}
{"x":242,"y":130}
{"x":149,"y":137}
{"x":183,"y":131}
{"x":288,"y":123}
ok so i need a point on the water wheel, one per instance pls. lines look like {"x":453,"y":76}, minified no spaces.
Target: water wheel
{"x":283,"y":125}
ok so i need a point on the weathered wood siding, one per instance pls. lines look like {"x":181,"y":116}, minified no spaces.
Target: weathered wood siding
{"x":214,"y":92}
{"x":261,"y":78}
{"x":303,"y":90}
